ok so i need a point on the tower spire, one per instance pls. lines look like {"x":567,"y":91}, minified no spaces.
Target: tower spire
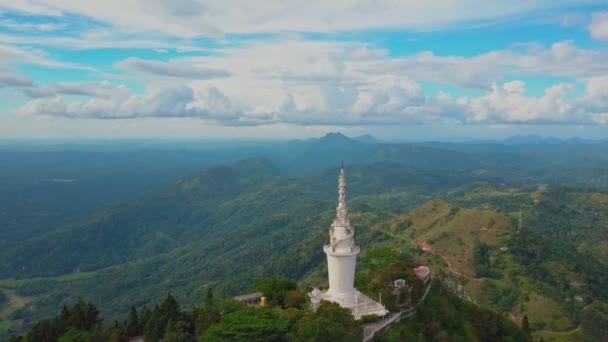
{"x":519,"y":224}
{"x":342,"y":210}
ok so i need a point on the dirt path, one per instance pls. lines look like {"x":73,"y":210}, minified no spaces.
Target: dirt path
{"x":573,"y":330}
{"x":588,"y":306}
{"x":460,"y":273}
{"x":15,"y":302}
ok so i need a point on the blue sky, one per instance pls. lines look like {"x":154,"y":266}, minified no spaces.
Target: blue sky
{"x":238,"y":69}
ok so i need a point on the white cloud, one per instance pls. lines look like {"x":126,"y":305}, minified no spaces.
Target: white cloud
{"x":10,"y":78}
{"x":573,"y":19}
{"x":104,"y":90}
{"x":170,"y":69}
{"x":509,"y":104}
{"x":331,"y":83}
{"x":29,"y":27}
{"x":190,"y":18}
{"x":11,"y":54}
{"x":596,"y":93}
{"x":564,"y":59}
{"x":599,"y":26}
{"x":474,"y":72}
{"x":108,"y":101}
{"x":305,"y":82}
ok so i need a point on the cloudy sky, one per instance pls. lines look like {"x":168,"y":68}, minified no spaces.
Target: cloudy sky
{"x":399,"y":69}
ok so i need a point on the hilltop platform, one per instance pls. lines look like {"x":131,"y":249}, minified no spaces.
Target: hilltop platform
{"x":359,"y":304}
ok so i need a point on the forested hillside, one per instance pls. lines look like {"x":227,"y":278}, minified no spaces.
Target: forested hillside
{"x":268,"y":216}
{"x":287,"y":316}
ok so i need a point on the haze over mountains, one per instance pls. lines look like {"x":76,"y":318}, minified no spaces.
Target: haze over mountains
{"x":123,"y":227}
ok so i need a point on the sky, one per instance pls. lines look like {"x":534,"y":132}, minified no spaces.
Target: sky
{"x":398,"y":69}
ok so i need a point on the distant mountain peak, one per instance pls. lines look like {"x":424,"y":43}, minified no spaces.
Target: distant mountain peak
{"x":367,"y":138}
{"x":257,"y":166}
{"x":530,"y":139}
{"x":334,"y":136}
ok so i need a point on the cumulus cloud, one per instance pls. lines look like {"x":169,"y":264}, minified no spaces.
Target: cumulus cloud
{"x":107,"y":101}
{"x":474,"y":72}
{"x":509,"y":104}
{"x":338,"y":83}
{"x":598,"y":27}
{"x":170,"y":69}
{"x":388,"y":101}
{"x":564,"y":59}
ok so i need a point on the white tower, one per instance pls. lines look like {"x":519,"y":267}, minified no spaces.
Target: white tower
{"x":341,"y":250}
{"x":341,"y":260}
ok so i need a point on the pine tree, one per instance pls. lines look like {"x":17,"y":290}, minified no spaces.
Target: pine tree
{"x":144,"y":316}
{"x":169,"y":308}
{"x":132,"y":328}
{"x":155,"y":326}
{"x":525,"y":325}
{"x":209,"y":297}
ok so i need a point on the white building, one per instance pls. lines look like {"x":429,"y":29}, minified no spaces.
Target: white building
{"x":341,"y":261}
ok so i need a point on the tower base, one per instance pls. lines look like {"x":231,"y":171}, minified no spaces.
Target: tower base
{"x":359,"y":304}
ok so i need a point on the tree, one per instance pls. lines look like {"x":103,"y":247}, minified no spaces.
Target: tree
{"x":209,"y":297}
{"x":296,"y":299}
{"x":144,"y":316}
{"x":329,"y":323}
{"x":169,"y":308}
{"x":275,"y":289}
{"x":155,"y":326}
{"x":3,"y":298}
{"x":481,"y":257}
{"x":249,"y":324}
{"x":43,"y":331}
{"x":74,"y":335}
{"x":175,"y":332}
{"x":525,"y":325}
{"x":133,"y":327}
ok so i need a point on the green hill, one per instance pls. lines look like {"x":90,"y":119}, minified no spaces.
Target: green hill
{"x":534,"y":272}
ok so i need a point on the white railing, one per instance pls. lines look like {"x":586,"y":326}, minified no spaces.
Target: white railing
{"x":370,"y":329}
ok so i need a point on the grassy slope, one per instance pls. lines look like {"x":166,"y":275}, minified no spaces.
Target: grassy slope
{"x":18,"y":302}
{"x":452,"y":234}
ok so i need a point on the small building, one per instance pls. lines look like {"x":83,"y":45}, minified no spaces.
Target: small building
{"x":425,"y":246}
{"x":423,"y":273}
{"x":399,"y":283}
{"x":252,"y":299}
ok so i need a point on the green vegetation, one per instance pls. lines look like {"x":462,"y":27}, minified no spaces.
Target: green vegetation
{"x":227,"y":226}
{"x":3,"y":299}
{"x":277,"y":290}
{"x":444,"y":317}
{"x":328,"y":323}
{"x":249,"y":324}
{"x":81,"y":322}
{"x":223,"y":320}
{"x":481,"y":257}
